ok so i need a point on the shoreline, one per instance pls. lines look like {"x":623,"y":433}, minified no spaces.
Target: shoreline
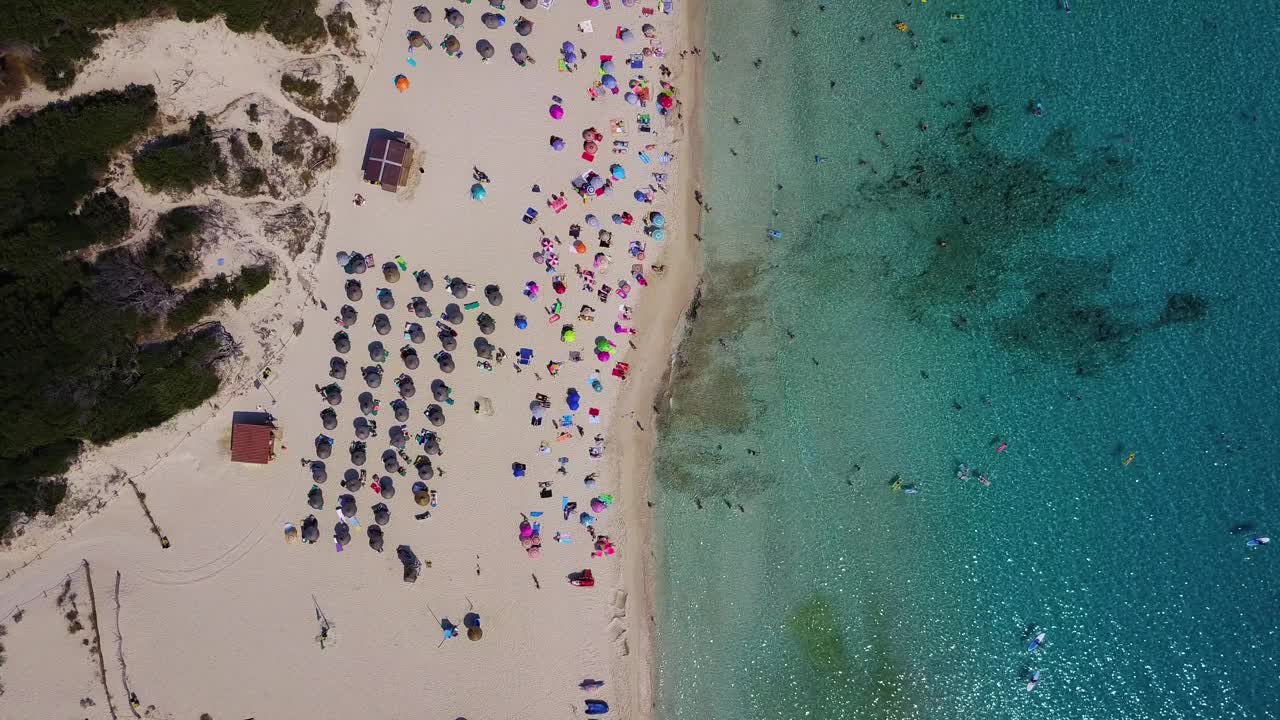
{"x":684,"y":261}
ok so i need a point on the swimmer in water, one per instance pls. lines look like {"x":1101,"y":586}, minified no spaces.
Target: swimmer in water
{"x":1035,"y":108}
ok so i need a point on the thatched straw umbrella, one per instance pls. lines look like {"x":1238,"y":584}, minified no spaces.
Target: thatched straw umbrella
{"x":366,"y":402}
{"x":422,"y":13}
{"x":523,"y":27}
{"x":358,"y":454}
{"x":454,"y":17}
{"x":375,"y":537}
{"x":318,"y":472}
{"x":357,"y":265}
{"x":405,"y":385}
{"x":354,"y":292}
{"x":324,"y":446}
{"x":341,"y":533}
{"x":386,"y":487}
{"x":529,"y":4}
{"x":362,"y":428}
{"x":493,"y":294}
{"x":486,"y":323}
{"x":474,"y":633}
{"x":409,"y":357}
{"x":328,"y":418}
{"x":348,"y":505}
{"x":382,"y":323}
{"x":341,"y":342}
{"x":493,"y":21}
{"x":452,"y":313}
{"x":315,"y":498}
{"x":435,"y":414}
{"x":451,"y":44}
{"x":416,"y":334}
{"x":448,"y":340}
{"x":424,"y":468}
{"x":337,"y":368}
{"x":386,"y":300}
{"x":348,"y":315}
{"x":377,"y":352}
{"x":391,"y":461}
{"x":445,"y":361}
{"x":519,"y":53}
{"x":381,"y":514}
{"x":484,"y":48}
{"x":416,"y":40}
{"x":351,"y":480}
{"x":420,"y":307}
{"x":401,"y":409}
{"x":439,"y":390}
{"x":458,"y":288}
{"x":333,"y":394}
{"x":484,"y":348}
{"x":425,"y":283}
{"x":390,"y":271}
{"x":432,"y":445}
{"x":396,"y":437}
{"x":372,"y":376}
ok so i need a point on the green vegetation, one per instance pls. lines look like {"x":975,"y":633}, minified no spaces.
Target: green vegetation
{"x":304,"y":87}
{"x":252,"y":178}
{"x":255,"y":141}
{"x":181,"y":162}
{"x":71,"y":367}
{"x":307,"y":94}
{"x":66,"y":31}
{"x":342,"y":28}
{"x":171,"y":253}
{"x":209,"y":294}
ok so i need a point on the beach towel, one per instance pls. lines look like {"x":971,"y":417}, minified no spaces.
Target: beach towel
{"x":585,"y":26}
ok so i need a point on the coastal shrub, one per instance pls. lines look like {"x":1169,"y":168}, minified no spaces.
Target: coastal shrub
{"x":255,"y":141}
{"x":252,"y":178}
{"x":306,"y":93}
{"x":209,"y":294}
{"x":181,"y":162}
{"x":65,"y":32}
{"x":341,"y":25}
{"x":71,"y":368}
{"x":303,"y":87}
{"x":171,"y":252}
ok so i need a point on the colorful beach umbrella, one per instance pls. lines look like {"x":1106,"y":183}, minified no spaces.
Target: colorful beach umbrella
{"x":478,"y":192}
{"x":658,"y":234}
{"x":402,"y":83}
{"x":626,"y":36}
{"x":665,"y":101}
{"x":618,"y":172}
{"x":656,"y":219}
{"x":593,"y":221}
{"x":631,"y":98}
{"x":557,"y":144}
{"x":557,"y":112}
{"x":567,"y":47}
{"x":606,"y":66}
{"x":609,"y":81}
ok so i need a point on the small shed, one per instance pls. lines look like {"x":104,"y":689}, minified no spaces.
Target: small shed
{"x":252,"y":443}
{"x":388,"y":163}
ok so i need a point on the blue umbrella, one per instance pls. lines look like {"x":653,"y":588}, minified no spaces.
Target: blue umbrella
{"x":522,"y":322}
{"x":616,"y":218}
{"x":557,"y":143}
{"x":567,"y":47}
{"x":618,"y":172}
{"x":606,"y":66}
{"x":656,"y":219}
{"x":631,"y":98}
{"x":570,"y":58}
{"x":478,"y":192}
{"x":609,"y":81}
{"x":627,"y":36}
{"x":640,"y":196}
{"x":658,"y":235}
{"x":592,"y":221}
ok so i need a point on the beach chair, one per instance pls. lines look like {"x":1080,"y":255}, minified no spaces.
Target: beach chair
{"x":603,"y":293}
{"x":524,"y":356}
{"x":529,"y":216}
{"x":605,"y":238}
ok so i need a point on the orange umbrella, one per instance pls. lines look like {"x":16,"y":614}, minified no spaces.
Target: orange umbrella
{"x":402,"y":83}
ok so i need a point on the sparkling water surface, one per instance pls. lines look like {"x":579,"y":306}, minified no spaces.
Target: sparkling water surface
{"x":1090,"y":284}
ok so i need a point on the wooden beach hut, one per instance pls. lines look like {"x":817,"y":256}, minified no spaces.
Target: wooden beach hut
{"x":253,"y":443}
{"x":388,"y":163}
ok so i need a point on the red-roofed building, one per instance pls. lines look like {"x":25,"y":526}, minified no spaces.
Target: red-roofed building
{"x":388,"y":163}
{"x":252,"y":443}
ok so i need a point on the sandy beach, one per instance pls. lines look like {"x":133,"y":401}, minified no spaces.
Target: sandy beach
{"x":228,"y":620}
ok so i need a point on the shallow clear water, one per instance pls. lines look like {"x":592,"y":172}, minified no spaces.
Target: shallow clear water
{"x":1093,"y":283}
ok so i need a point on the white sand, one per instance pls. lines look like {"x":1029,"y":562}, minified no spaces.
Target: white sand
{"x":224,"y":621}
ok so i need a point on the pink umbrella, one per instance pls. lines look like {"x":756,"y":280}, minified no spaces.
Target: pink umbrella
{"x":597,"y":505}
{"x":664,"y":101}
{"x":526,"y":530}
{"x":557,"y":112}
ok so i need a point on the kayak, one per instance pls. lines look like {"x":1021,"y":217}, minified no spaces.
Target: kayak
{"x":1035,"y":680}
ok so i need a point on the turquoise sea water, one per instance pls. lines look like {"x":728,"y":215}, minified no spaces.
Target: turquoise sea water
{"x":1097,"y":282}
